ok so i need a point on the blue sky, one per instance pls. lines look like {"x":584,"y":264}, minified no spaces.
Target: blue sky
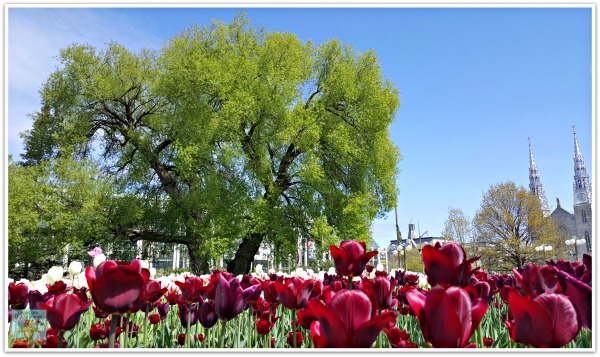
{"x":474,"y":84}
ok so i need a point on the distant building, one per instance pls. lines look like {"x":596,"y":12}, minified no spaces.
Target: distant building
{"x":413,"y":240}
{"x":579,"y":223}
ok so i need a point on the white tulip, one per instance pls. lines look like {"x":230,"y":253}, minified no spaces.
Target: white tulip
{"x":79,"y":281}
{"x":152,"y":272}
{"x":75,"y":268}
{"x":331,"y":271}
{"x":258,"y":269}
{"x":144,"y":264}
{"x":99,"y":259}
{"x":423,"y":283}
{"x":55,"y":274}
{"x":380,"y":267}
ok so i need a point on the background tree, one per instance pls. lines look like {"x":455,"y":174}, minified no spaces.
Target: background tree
{"x":54,"y":208}
{"x":457,"y":227}
{"x":510,"y":224}
{"x":228,"y":137}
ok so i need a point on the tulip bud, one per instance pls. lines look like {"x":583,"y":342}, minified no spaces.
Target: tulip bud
{"x":99,"y":259}
{"x":75,"y":268}
{"x":331,"y":271}
{"x":54,"y":274}
{"x":380,"y":267}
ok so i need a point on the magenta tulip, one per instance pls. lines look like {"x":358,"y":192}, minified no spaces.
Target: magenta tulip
{"x":116,"y":286}
{"x":346,"y":321}
{"x":447,"y":265}
{"x":230,"y":298}
{"x":549,"y":320}
{"x":64,"y":311}
{"x":447,"y":317}
{"x":18,"y":296}
{"x":294,"y":292}
{"x":351,"y":258}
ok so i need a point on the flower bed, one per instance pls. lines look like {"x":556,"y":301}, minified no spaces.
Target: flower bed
{"x":120,"y":305}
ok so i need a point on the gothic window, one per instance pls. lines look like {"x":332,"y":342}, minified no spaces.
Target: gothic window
{"x":588,"y":243}
{"x":583,"y":217}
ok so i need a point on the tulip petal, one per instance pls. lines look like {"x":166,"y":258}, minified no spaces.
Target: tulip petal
{"x":367,"y":333}
{"x":439,"y":308}
{"x":531,"y":321}
{"x":563,"y":316}
{"x":438,"y":267}
{"x":117,"y":289}
{"x":353,"y":307}
{"x":581,"y":296}
{"x":331,"y":326}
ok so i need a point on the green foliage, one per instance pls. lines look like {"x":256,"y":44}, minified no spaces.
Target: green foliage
{"x":54,"y":208}
{"x":457,"y":227}
{"x":510,"y":224}
{"x":229,"y":132}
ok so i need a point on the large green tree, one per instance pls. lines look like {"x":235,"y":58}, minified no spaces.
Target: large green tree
{"x":54,"y":209}
{"x":509,"y":225}
{"x":238,"y":136}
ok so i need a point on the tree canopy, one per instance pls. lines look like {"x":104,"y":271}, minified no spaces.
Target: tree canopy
{"x":510,"y":224}
{"x":54,"y":208}
{"x":229,"y":136}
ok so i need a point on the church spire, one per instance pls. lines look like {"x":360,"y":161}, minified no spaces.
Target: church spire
{"x":535,"y":184}
{"x":582,"y":190}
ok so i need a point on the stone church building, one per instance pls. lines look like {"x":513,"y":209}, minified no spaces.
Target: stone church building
{"x":579,"y":223}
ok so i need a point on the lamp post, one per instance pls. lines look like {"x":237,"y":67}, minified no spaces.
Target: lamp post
{"x":395,"y":249}
{"x":574,"y":241}
{"x":543,"y":249}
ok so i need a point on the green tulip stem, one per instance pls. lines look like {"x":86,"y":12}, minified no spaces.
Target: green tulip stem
{"x":267,"y":341}
{"x":294,"y":327}
{"x":126,"y":338}
{"x":222,"y":336}
{"x":187,"y":329}
{"x":112,"y":332}
{"x":60,"y":339}
{"x":349,"y":283}
{"x":249,"y":344}
{"x":145,"y":325}
{"x":379,"y":337}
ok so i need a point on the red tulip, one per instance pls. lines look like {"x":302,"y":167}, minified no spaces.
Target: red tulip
{"x":151,"y":294}
{"x":549,"y":320}
{"x":191,"y":289}
{"x":379,"y":291}
{"x":488,"y":342}
{"x":580,"y":294}
{"x":230,"y":298}
{"x":206,"y":315}
{"x":447,"y":318}
{"x":154,"y":319}
{"x":299,"y":339}
{"x":346,"y":321}
{"x":397,"y":337}
{"x":64,"y":311}
{"x":116,"y":286}
{"x":294,"y":292}
{"x":18,"y":296}
{"x":447,"y":265}
{"x":351,"y":257}
{"x":538,"y":280}
{"x":181,"y":339}
{"x":98,"y":332}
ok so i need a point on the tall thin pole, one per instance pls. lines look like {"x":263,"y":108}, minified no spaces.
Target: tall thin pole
{"x":398,"y":239}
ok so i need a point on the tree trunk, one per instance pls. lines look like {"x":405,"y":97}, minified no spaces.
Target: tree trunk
{"x":198,"y":261}
{"x":240,"y":264}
